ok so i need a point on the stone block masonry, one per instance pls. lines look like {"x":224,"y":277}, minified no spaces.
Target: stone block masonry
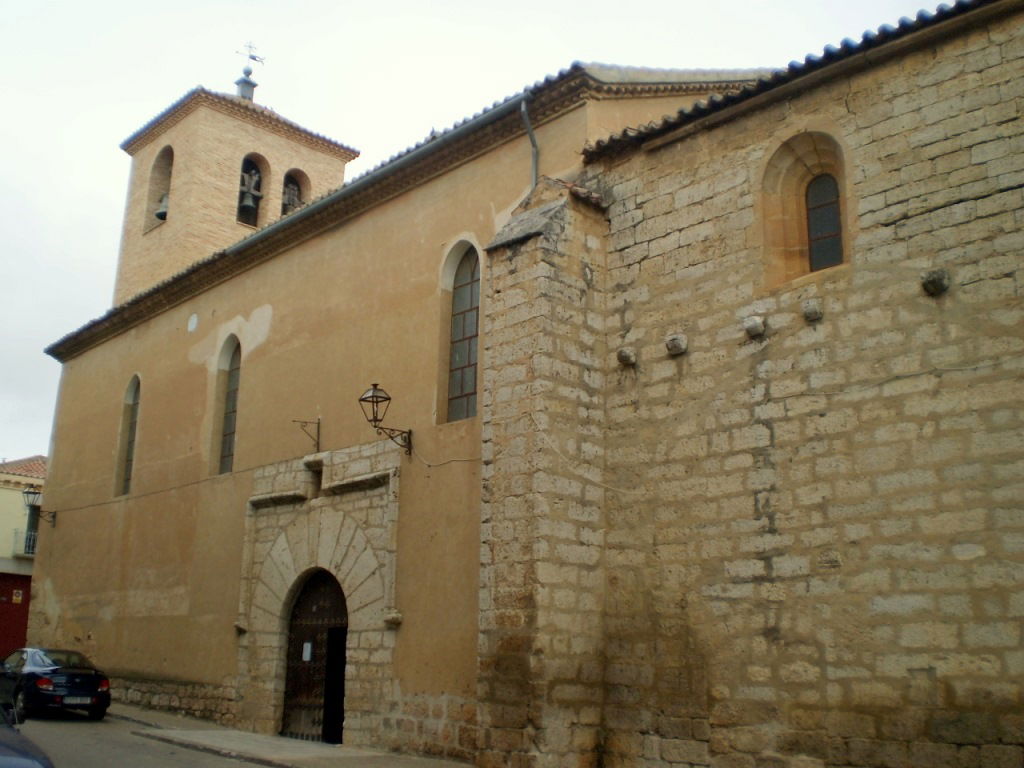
{"x":541,"y":580}
{"x":823,"y":563}
{"x":799,"y":547}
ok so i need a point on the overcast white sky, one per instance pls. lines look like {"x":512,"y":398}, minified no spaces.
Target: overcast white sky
{"x":76,"y":78}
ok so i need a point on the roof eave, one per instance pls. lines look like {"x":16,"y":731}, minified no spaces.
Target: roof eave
{"x":200,"y":96}
{"x":550,"y":98}
{"x":814,"y":72}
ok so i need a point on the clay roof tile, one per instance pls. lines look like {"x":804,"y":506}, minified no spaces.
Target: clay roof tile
{"x":33,"y":466}
{"x":631,"y":137}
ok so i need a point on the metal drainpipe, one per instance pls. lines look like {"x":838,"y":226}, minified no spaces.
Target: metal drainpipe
{"x":535,"y":152}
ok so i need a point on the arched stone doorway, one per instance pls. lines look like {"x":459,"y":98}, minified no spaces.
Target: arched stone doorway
{"x":348,"y":531}
{"x":314,"y":697}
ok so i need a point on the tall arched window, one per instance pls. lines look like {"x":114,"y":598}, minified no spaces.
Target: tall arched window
{"x":465,"y":331}
{"x":229,"y":378}
{"x":158,"y":198}
{"x":129,"y":429}
{"x":824,"y":234}
{"x":250,"y":190}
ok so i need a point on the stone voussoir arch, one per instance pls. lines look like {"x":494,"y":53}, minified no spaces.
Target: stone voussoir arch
{"x":335,"y":512}
{"x":341,"y":549}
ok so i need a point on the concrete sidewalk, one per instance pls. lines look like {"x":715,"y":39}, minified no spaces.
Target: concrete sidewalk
{"x":259,"y":748}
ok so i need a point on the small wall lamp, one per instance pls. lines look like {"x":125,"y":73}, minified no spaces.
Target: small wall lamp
{"x":34,"y":498}
{"x":375,"y":402}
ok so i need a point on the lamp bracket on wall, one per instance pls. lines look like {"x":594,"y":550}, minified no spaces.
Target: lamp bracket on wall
{"x":314,"y":435}
{"x":400,"y":437}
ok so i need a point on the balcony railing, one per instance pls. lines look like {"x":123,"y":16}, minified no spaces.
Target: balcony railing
{"x":25,"y":543}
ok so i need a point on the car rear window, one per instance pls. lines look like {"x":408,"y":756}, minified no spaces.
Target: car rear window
{"x":63,"y":659}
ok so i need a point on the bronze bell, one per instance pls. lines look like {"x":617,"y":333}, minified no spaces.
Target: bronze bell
{"x":248,"y":203}
{"x":161,"y":208}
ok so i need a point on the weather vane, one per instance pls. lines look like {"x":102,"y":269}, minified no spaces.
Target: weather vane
{"x":250,"y":53}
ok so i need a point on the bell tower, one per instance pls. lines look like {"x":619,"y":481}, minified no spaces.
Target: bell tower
{"x":209,"y":170}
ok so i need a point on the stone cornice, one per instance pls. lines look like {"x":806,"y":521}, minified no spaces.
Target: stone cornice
{"x":19,"y":482}
{"x":239,"y":109}
{"x":655,"y":90}
{"x":546,"y":101}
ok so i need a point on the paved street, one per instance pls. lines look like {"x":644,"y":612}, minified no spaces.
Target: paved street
{"x":72,"y":741}
{"x":132,"y":736}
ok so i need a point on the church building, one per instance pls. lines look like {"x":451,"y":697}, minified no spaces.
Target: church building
{"x":646,"y":418}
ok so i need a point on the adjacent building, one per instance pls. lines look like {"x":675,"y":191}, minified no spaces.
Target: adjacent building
{"x":21,"y":486}
{"x":703,"y":442}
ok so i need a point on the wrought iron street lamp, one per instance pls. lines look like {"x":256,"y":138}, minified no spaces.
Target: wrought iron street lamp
{"x":34,"y":500}
{"x":375,"y":402}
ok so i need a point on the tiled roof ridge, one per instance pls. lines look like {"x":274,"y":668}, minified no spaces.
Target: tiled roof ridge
{"x":548,"y":97}
{"x":831,"y":55}
{"x":612,"y":74}
{"x":575,"y":69}
{"x":243,"y":107}
{"x":31,"y":466}
{"x":589,"y":71}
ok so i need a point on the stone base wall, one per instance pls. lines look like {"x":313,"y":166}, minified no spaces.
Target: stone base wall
{"x":686,"y":741}
{"x":441,"y":726}
{"x":218,"y":703}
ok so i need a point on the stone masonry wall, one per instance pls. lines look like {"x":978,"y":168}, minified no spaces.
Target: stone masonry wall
{"x":542,"y":533}
{"x":208,"y":702}
{"x":815,"y":548}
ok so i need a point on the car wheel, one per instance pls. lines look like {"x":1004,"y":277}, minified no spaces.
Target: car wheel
{"x":97,"y":713}
{"x":20,"y":707}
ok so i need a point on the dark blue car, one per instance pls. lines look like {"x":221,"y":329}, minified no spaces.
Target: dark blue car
{"x":17,"y":751}
{"x":45,"y":679}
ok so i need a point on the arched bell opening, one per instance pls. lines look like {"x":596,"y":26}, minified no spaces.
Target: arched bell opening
{"x":251,"y":189}
{"x":295,"y":192}
{"x":158,"y":197}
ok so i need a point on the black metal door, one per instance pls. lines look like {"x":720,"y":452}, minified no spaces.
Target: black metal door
{"x":314,"y":694}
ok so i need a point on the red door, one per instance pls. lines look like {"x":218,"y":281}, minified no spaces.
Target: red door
{"x":14,"y":596}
